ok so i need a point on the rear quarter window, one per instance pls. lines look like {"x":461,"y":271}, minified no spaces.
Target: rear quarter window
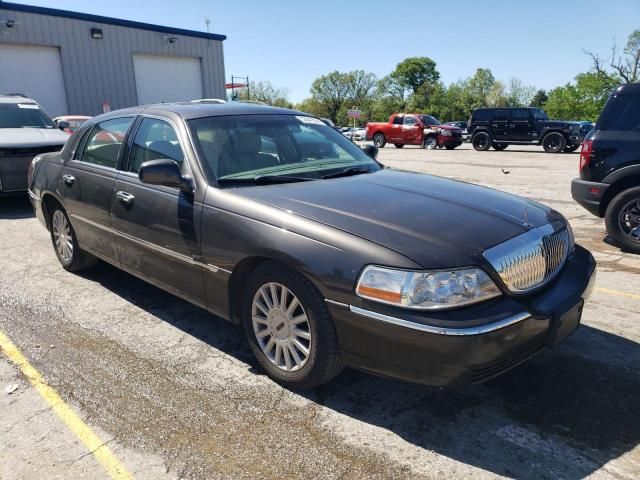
{"x":482,"y":116}
{"x":621,"y":112}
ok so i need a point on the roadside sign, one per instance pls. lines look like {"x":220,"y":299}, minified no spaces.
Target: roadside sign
{"x":354,"y":113}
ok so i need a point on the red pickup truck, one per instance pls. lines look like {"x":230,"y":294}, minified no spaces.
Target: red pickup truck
{"x":414,"y":129}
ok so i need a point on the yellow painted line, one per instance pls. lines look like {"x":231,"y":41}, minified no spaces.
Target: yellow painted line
{"x":94,"y":444}
{"x":617,"y":293}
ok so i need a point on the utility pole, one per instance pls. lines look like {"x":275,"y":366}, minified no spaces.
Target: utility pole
{"x":207,"y":22}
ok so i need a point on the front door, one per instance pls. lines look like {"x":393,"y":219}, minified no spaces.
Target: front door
{"x":500,"y":124}
{"x":157,"y":228}
{"x":521,"y":125}
{"x":87,"y":182}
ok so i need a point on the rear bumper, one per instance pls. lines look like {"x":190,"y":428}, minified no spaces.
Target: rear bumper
{"x":589,"y":194}
{"x":492,"y":339}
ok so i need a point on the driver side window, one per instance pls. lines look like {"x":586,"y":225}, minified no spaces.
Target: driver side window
{"x":154,"y":140}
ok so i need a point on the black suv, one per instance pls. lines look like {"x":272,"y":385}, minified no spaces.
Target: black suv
{"x":500,"y":127}
{"x":609,"y":183}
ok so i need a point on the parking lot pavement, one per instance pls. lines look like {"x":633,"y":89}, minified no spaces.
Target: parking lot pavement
{"x":177,"y":391}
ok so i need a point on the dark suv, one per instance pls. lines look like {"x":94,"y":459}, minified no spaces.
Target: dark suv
{"x":500,"y":127}
{"x":609,"y":183}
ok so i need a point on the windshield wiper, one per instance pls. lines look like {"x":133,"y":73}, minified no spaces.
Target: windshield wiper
{"x":266,"y":179}
{"x":347,"y":172}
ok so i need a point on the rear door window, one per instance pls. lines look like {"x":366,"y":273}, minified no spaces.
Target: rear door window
{"x":104,"y":141}
{"x":621,"y":113}
{"x":397,"y":120}
{"x":520,"y":115}
{"x":482,"y":115}
{"x":501,"y":116}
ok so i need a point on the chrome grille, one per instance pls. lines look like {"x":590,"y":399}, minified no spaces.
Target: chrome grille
{"x":530,"y":260}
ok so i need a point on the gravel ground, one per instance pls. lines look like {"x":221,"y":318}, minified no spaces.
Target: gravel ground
{"x":176,"y":393}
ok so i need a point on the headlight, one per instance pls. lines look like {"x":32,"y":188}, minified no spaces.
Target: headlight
{"x":445,"y":133}
{"x":426,"y":290}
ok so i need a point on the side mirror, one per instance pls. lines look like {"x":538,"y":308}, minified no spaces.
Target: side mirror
{"x":164,"y":172}
{"x":62,"y":124}
{"x":371,"y":150}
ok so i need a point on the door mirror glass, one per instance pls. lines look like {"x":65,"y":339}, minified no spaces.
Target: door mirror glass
{"x":164,"y":172}
{"x":62,"y":124}
{"x":371,"y":150}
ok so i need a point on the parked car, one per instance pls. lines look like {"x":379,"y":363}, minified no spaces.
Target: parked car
{"x":609,"y":183}
{"x":323,"y":255}
{"x":25,"y":131}
{"x":462,"y":125}
{"x":74,"y":121}
{"x":414,"y":129}
{"x":360,"y":133}
{"x":504,"y":126}
{"x":348,"y":132}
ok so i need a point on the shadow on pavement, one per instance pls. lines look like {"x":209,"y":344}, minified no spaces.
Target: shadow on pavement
{"x":564,"y":414}
{"x":14,"y":207}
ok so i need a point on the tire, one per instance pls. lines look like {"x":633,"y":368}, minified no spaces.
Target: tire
{"x":499,"y":146}
{"x":481,"y":141}
{"x":379,"y":140}
{"x":321,"y":361}
{"x":398,"y":145}
{"x":65,"y":243}
{"x":623,"y":219}
{"x":571,"y":148}
{"x":450,"y":147}
{"x":554,"y":142}
{"x":430,"y":142}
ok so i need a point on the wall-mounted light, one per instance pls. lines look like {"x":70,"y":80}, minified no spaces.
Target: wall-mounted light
{"x":11,"y":23}
{"x":171,"y":40}
{"x":96,"y":33}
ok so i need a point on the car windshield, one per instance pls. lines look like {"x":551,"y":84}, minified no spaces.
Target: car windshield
{"x":429,"y":120}
{"x":23,"y":115}
{"x":245,"y":147}
{"x":539,"y":114}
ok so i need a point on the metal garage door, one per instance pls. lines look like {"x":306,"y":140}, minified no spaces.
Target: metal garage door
{"x":36,"y":72}
{"x":167,"y":79}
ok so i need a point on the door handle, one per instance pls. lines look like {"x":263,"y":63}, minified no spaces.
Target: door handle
{"x":125,"y":197}
{"x":68,"y":179}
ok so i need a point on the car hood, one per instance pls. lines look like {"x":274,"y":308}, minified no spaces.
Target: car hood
{"x":31,"y":137}
{"x":436,"y":222}
{"x":445,"y":127}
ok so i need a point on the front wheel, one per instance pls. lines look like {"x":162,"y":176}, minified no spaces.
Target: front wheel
{"x":554,"y":142}
{"x":623,"y":219}
{"x":289,"y":328}
{"x":398,"y":145}
{"x":379,"y":140}
{"x":430,"y":143}
{"x":65,"y":243}
{"x":481,"y":141}
{"x":499,"y":146}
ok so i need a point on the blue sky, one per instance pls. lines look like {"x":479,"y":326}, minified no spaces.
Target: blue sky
{"x":290,"y":43}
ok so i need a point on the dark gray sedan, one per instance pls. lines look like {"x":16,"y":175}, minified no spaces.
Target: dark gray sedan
{"x":272,"y":219}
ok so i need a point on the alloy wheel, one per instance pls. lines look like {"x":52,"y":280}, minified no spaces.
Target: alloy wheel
{"x":281,"y":327}
{"x":629,"y":220}
{"x":62,"y":235}
{"x":430,"y":143}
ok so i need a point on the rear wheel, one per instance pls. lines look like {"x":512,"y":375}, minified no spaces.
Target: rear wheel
{"x":379,"y":140}
{"x":398,"y":145}
{"x":499,"y":146}
{"x":65,"y":244}
{"x":430,"y":143}
{"x":481,"y":141}
{"x":289,"y":327}
{"x":554,"y":142}
{"x":623,"y":219}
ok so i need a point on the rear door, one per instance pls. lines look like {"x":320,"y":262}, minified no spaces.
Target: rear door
{"x":395,"y":130}
{"x":87,"y":183}
{"x":521,"y":125}
{"x":157,"y":228}
{"x":411,"y":130}
{"x":500,"y":124}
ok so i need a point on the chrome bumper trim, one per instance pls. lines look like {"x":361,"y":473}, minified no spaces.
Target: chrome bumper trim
{"x":465,"y":331}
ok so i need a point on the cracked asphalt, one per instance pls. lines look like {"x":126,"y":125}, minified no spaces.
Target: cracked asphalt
{"x":175,"y":392}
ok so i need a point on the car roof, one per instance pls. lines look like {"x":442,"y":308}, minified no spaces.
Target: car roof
{"x":10,"y":98}
{"x":628,"y":88}
{"x":190,"y":110}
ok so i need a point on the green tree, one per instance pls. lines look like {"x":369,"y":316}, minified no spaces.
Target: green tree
{"x":313,"y":107}
{"x":332,"y":90}
{"x":519,"y":94}
{"x":265,"y":92}
{"x":412,"y":73}
{"x":582,"y":100}
{"x":539,"y":99}
{"x":479,"y":87}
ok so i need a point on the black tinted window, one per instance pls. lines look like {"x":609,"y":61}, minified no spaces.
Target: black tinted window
{"x":520,"y":115}
{"x":621,"y":113}
{"x":410,"y":120}
{"x":397,"y":120}
{"x":103,"y":144}
{"x":501,"y":116}
{"x":482,"y":115}
{"x":23,"y":115}
{"x":155,"y":139}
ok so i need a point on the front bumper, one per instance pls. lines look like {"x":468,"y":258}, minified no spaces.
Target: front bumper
{"x":467,"y":345}
{"x":589,"y":194}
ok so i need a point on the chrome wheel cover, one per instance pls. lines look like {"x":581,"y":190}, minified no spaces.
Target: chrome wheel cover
{"x":629,"y":220}
{"x":430,"y":143}
{"x":378,"y":140}
{"x":281,"y":327}
{"x":62,"y":237}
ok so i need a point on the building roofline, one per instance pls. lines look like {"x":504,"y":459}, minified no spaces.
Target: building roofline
{"x":108,"y":20}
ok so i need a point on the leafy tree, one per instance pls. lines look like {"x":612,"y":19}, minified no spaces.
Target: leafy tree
{"x":519,"y":94}
{"x":412,"y":73}
{"x":313,"y":106}
{"x":582,"y":100}
{"x":265,"y":92}
{"x":479,"y":87}
{"x":539,"y":99}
